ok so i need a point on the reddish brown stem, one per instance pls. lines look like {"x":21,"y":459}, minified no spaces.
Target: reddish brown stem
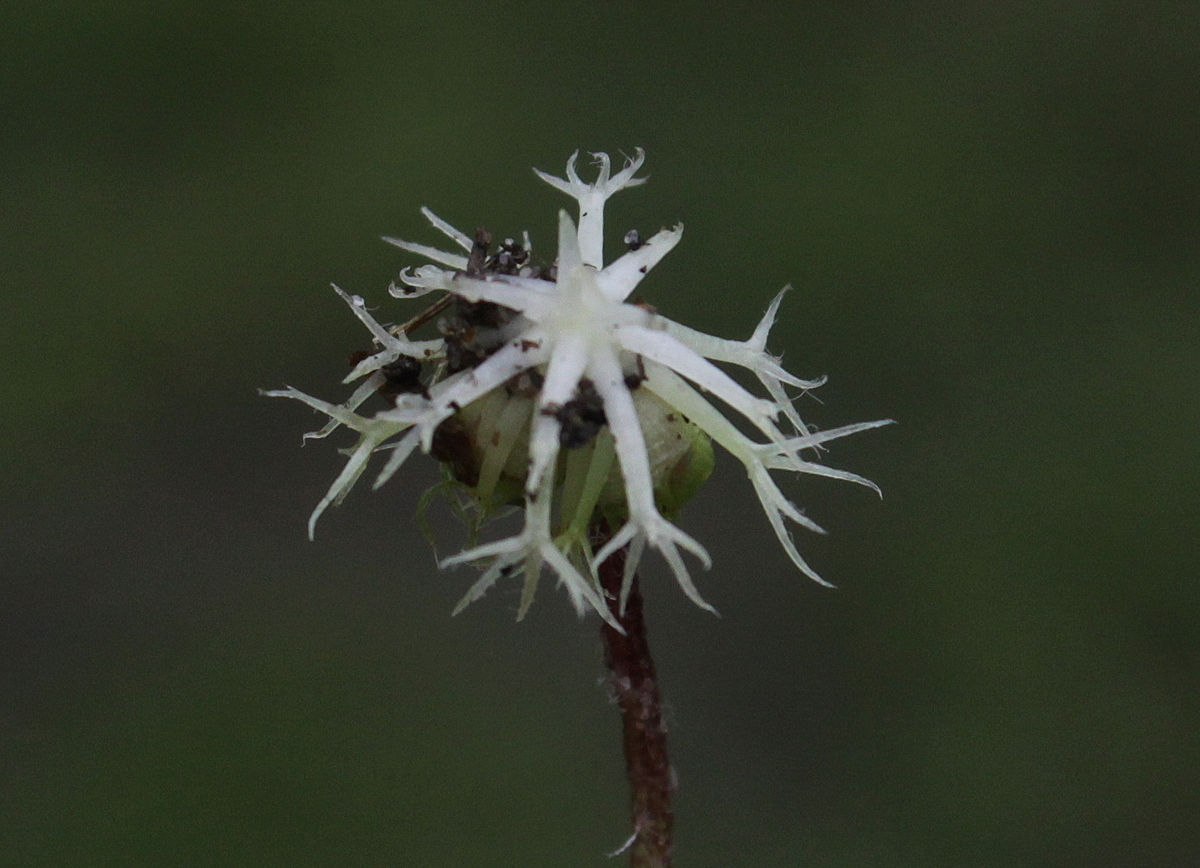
{"x":635,"y":687}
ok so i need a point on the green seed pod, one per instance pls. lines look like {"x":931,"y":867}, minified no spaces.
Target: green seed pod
{"x":485,"y":446}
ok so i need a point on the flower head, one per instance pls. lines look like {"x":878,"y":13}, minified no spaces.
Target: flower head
{"x":551,"y":390}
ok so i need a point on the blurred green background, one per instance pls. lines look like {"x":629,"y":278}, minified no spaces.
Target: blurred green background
{"x":991,"y":214}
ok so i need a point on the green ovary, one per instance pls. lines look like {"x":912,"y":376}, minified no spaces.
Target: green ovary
{"x":486,"y":447}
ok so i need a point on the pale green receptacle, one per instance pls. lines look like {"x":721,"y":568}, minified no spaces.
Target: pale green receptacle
{"x":486,"y":447}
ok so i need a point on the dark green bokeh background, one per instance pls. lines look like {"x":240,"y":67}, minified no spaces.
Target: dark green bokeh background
{"x":990,"y":216}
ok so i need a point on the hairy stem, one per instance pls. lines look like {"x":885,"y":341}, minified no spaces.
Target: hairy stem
{"x":635,"y":687}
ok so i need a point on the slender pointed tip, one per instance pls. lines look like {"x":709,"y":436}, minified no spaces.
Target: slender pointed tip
{"x":572,"y":175}
{"x":611,"y":621}
{"x":702,"y":603}
{"x":452,"y":561}
{"x":285,"y":392}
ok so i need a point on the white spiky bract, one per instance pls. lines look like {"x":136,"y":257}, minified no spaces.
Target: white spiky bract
{"x":580,"y":327}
